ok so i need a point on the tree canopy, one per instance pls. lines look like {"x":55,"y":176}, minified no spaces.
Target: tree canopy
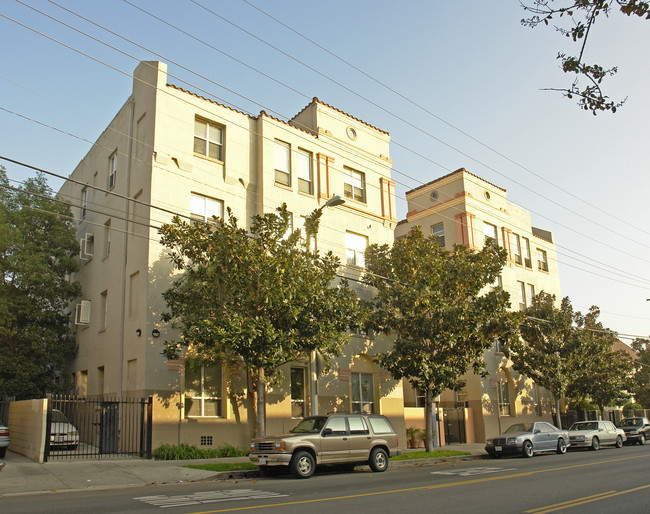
{"x":641,"y":379}
{"x":579,"y":18}
{"x":262,"y":297}
{"x":436,"y":305}
{"x":38,"y":251}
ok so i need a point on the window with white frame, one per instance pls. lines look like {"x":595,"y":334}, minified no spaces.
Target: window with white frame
{"x":542,"y":262}
{"x":203,"y":208}
{"x":298,"y":393}
{"x":304,"y":160}
{"x":531,"y":294}
{"x":354,"y":185}
{"x":526,"y":247}
{"x":112,"y":170}
{"x":363,"y":393}
{"x":282,"y":159}
{"x":208,"y":139}
{"x":516,"y":249}
{"x":490,"y":231}
{"x":504,"y":397}
{"x":203,"y":392}
{"x":355,"y":247}
{"x":521,"y":293}
{"x":438,"y":232}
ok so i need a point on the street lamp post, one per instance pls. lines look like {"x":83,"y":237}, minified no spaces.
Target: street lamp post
{"x":313,"y":367}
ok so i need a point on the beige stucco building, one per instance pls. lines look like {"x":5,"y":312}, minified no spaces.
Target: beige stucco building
{"x":169,"y":151}
{"x":465,"y":209}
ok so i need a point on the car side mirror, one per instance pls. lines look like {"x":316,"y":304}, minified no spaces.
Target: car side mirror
{"x":327,"y":431}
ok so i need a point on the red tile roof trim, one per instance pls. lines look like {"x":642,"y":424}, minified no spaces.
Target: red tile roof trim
{"x":459,"y":170}
{"x":317,"y":101}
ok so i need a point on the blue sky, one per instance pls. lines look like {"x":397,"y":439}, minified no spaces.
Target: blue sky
{"x":470,"y":63}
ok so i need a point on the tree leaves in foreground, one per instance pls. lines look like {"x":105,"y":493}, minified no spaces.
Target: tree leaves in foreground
{"x":581,"y":16}
{"x":259,"y":297}
{"x":641,"y":379}
{"x":38,"y":252}
{"x":434,"y":303}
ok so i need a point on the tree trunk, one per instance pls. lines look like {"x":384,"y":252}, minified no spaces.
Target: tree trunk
{"x":261,"y":400}
{"x":428,"y":417}
{"x":558,"y":418}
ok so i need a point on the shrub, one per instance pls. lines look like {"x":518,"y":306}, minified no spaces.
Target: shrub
{"x":187,"y":452}
{"x":632,"y":406}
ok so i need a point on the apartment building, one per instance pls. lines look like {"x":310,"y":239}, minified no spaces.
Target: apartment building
{"x":465,"y":209}
{"x":170,"y":151}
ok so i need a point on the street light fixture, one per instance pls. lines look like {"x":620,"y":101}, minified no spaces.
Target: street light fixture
{"x":333,"y":202}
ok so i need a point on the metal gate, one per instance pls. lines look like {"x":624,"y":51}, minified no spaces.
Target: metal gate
{"x":454,"y":420}
{"x":97,"y":427}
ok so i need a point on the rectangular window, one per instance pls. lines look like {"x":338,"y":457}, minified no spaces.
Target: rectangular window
{"x":282,"y":156}
{"x":527,"y":261}
{"x":107,"y":238}
{"x":521,"y":291}
{"x":363,"y":393}
{"x":504,"y":398}
{"x":84,"y":201}
{"x":203,"y":208}
{"x":438,"y":232}
{"x":305,"y":171}
{"x":103,"y":310}
{"x":100,"y":380}
{"x":355,"y":247}
{"x":203,"y":392}
{"x":531,"y":294}
{"x":112,"y":170}
{"x":516,"y":249}
{"x":542,"y":263}
{"x":490,"y":231}
{"x":354,"y":185}
{"x":297,"y":392}
{"x":208,"y":139}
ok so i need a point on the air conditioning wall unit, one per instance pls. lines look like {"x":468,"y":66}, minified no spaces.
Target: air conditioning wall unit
{"x":82,"y":313}
{"x":87,"y":247}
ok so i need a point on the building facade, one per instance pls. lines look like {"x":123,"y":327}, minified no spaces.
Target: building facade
{"x":462,"y":208}
{"x":169,"y":151}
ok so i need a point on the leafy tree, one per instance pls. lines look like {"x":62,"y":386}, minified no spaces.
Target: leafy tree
{"x":435,"y":304}
{"x":604,"y":374}
{"x":38,"y":253}
{"x":581,"y":16}
{"x":262,"y":297}
{"x":548,"y":351}
{"x":641,"y":379}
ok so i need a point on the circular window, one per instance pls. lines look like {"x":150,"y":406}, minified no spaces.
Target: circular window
{"x":434,"y":195}
{"x":352,"y":134}
{"x":487,"y":195}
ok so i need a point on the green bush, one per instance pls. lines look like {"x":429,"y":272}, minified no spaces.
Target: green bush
{"x":187,"y":452}
{"x":632,"y":406}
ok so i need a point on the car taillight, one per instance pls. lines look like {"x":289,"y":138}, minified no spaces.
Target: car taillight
{"x":4,"y":432}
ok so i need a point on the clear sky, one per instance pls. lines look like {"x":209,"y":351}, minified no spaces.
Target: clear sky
{"x":459,"y":67}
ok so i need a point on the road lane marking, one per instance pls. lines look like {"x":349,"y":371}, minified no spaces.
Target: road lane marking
{"x":582,"y":501}
{"x":468,"y":472}
{"x":423,"y":487}
{"x":183,"y":500}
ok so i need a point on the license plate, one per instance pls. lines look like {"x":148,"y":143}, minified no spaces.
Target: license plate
{"x":58,"y":438}
{"x":261,"y":460}
{"x":498,"y":448}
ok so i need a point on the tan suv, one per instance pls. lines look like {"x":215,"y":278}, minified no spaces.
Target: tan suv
{"x":332,"y":439}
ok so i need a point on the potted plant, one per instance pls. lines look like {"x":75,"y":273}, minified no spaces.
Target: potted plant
{"x":413,"y":436}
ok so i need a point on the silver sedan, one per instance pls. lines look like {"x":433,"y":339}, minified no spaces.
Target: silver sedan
{"x":528,"y":439}
{"x":594,"y":434}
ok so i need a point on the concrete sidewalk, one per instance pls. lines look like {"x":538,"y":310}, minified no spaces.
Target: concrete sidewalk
{"x":21,"y":475}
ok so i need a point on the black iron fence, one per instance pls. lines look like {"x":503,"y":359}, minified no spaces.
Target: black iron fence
{"x":97,"y":427}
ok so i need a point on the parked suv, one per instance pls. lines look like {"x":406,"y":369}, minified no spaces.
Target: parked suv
{"x":332,"y":439}
{"x":637,"y":430}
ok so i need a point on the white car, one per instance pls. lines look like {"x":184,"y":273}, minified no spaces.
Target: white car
{"x":63,"y":434}
{"x":4,"y":440}
{"x":594,"y":434}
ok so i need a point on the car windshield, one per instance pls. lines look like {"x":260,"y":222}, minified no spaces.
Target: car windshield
{"x":309,"y":426}
{"x":590,"y":425}
{"x":631,"y":422}
{"x":520,"y":427}
{"x":59,"y":417}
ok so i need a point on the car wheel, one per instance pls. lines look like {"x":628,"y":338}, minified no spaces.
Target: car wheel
{"x":595,"y":444}
{"x":561,"y":446}
{"x":642,"y":439}
{"x":619,"y":441}
{"x":3,"y":452}
{"x":302,"y":464}
{"x":527,"y":449}
{"x":378,"y":459}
